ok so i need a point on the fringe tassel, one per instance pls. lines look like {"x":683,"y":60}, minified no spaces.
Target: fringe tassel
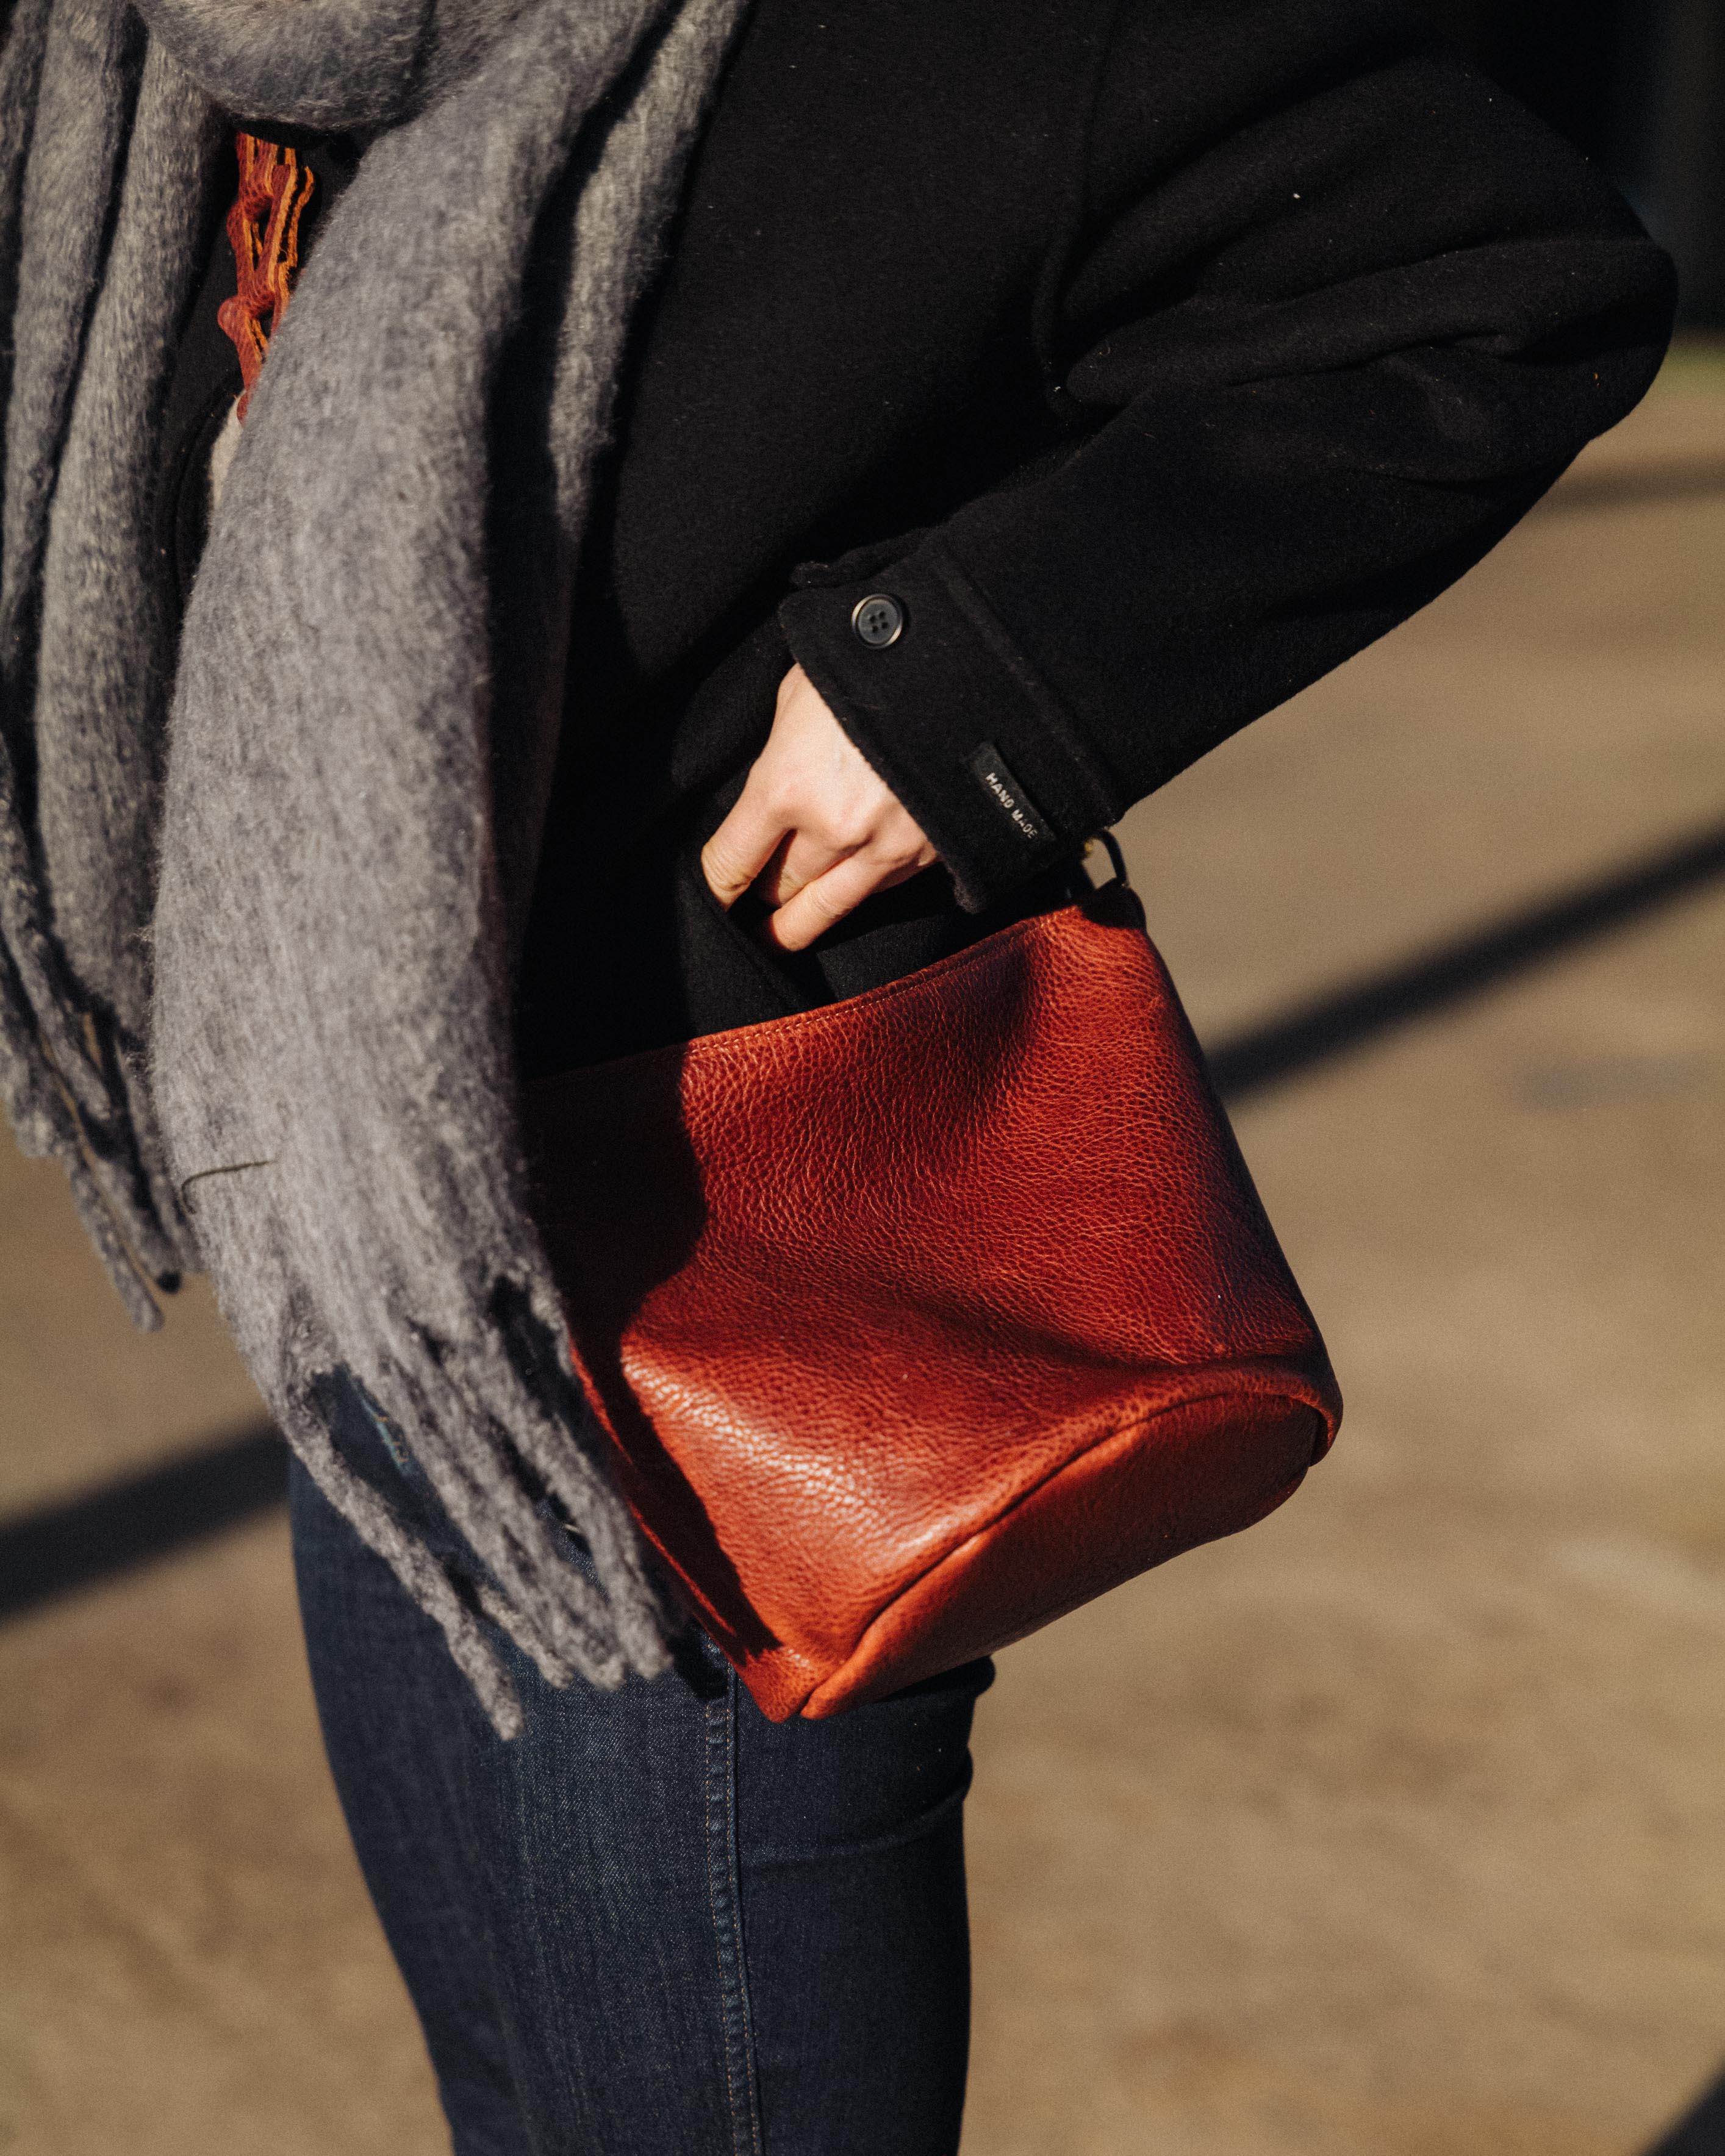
{"x":424,"y":1579}
{"x":532,"y":1359}
{"x":458,"y":1412}
{"x":46,"y":1127}
{"x":532,"y":1592}
{"x":174,"y":1249}
{"x":562,"y":1618}
{"x":481,"y":1487}
{"x":80,"y":1083}
{"x":503,"y":1614}
{"x":36,"y":1113}
{"x":122,"y":1268}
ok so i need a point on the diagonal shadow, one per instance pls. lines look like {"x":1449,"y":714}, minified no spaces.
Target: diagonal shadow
{"x":1700,"y":2132}
{"x":50,"y":1551}
{"x":53,"y":1552}
{"x":1328,"y":1026}
{"x":1699,"y":479}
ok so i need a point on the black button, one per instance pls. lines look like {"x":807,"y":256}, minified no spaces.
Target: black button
{"x":878,"y":620}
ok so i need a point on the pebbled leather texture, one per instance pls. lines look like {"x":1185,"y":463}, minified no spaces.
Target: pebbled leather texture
{"x":921,"y":1318}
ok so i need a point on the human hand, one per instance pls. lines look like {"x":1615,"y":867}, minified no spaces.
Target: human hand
{"x":816,"y":830}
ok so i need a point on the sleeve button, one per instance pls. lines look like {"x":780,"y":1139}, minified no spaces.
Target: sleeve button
{"x":878,"y":620}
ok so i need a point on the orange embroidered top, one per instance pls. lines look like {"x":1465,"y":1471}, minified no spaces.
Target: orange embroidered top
{"x":282,"y":194}
{"x":263,"y":231}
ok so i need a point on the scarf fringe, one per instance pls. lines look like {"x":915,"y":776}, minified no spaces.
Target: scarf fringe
{"x":530,"y":1589}
{"x":70,"y":1098}
{"x":382,"y":1530}
{"x":477,"y":1423}
{"x":47,"y":1126}
{"x":563,"y":1619}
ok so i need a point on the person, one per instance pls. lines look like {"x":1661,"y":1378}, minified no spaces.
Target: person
{"x":533,"y":530}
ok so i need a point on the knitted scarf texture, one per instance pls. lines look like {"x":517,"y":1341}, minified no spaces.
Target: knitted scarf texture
{"x":261,"y":897}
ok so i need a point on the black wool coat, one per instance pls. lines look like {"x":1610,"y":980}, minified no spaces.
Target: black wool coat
{"x":1152,"y":356}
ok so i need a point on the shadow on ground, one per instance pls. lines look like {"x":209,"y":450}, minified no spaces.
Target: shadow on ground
{"x":58,"y":1548}
{"x":1701,"y":2132}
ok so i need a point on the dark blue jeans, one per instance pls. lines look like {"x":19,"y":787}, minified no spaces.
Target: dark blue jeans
{"x":656,"y":1924}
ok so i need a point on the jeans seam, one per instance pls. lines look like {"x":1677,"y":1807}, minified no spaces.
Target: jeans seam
{"x":725,"y":1899}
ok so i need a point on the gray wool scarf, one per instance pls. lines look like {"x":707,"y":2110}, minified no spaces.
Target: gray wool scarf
{"x":260,"y":908}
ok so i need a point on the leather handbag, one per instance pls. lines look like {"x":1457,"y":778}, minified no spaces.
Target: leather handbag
{"x":920,"y":1318}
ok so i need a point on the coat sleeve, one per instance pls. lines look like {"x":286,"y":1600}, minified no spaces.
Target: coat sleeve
{"x":1332,"y":312}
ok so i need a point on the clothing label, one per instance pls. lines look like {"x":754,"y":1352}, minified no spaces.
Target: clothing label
{"x":991,"y":768}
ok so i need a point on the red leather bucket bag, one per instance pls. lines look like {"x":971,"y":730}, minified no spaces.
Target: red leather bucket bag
{"x":920,"y":1319}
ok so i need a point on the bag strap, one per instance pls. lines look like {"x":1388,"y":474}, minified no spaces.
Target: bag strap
{"x":1111,"y":846}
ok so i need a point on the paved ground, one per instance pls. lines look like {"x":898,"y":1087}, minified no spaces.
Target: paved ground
{"x":1393,"y":1829}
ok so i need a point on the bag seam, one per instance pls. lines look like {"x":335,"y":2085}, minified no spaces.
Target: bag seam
{"x":1042,"y":1482}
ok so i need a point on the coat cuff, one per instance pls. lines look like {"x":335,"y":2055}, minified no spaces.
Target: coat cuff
{"x":951,"y":714}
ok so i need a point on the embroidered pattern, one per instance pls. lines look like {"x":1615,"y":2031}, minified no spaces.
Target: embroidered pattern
{"x":264,"y":230}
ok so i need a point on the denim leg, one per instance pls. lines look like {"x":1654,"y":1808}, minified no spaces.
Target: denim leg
{"x":549,"y":1901}
{"x":401,"y":1745}
{"x":655,"y":1924}
{"x":852,"y":1862}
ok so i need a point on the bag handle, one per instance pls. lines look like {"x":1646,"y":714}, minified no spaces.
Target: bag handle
{"x":1111,"y":846}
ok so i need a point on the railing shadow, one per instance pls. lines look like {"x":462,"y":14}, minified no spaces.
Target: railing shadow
{"x":1698,"y":480}
{"x":1327,"y":1026}
{"x":1700,"y":2132}
{"x":58,"y":1548}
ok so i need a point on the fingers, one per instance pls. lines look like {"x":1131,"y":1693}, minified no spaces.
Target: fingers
{"x":816,"y":829}
{"x":765,"y":813}
{"x":743,"y":845}
{"x":816,"y":907}
{"x":806,"y":855}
